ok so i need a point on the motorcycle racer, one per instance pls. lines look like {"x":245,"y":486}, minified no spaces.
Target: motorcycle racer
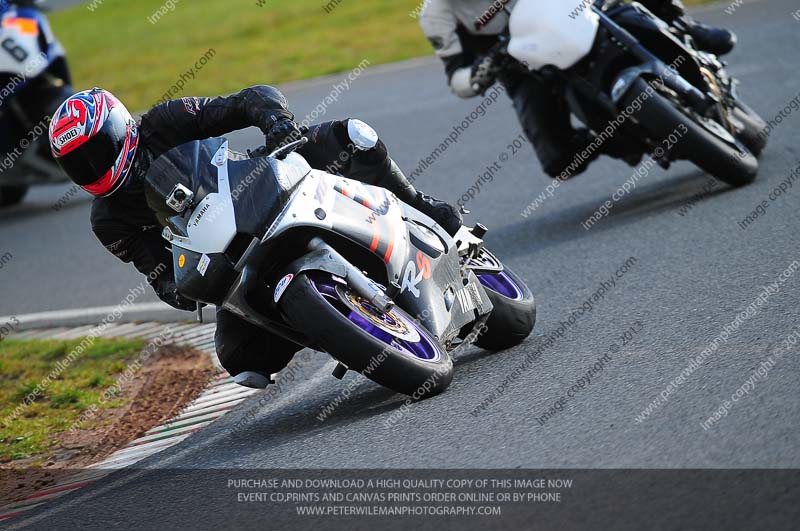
{"x":106,"y":152}
{"x":463,"y":33}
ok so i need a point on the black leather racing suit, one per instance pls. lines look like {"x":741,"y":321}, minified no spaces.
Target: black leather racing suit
{"x":128,"y":228}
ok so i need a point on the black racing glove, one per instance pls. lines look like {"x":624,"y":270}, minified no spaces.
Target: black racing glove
{"x":167,"y":291}
{"x":484,"y":73}
{"x":445,"y":214}
{"x":282,"y":133}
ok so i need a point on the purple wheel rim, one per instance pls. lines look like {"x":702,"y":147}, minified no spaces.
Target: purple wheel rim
{"x":423,"y":349}
{"x":501,"y":283}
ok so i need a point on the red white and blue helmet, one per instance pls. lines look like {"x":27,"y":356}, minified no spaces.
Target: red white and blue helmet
{"x":94,"y":140}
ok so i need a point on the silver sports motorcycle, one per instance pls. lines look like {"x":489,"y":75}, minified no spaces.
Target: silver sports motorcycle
{"x":333,"y":264}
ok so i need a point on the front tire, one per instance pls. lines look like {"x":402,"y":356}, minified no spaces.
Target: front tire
{"x":392,"y":349}
{"x":727,"y":160}
{"x":514,"y":314}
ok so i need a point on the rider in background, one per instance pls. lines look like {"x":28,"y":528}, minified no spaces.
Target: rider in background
{"x":103,"y":150}
{"x":464,"y":31}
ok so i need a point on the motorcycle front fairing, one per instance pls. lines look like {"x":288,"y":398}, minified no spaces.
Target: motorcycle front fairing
{"x":29,"y":49}
{"x":34,"y":80}
{"x":551,"y":33}
{"x":28,"y":45}
{"x":227,"y":196}
{"x":193,"y":165}
{"x":276,"y":200}
{"x":421,"y":260}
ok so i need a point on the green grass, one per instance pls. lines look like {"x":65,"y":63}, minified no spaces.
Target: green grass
{"x":23,"y":366}
{"x":117,"y":48}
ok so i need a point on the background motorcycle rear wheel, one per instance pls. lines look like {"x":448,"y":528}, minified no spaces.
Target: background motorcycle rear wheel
{"x":11,"y":195}
{"x":754,"y":133}
{"x":391,"y":349}
{"x":730,"y":162}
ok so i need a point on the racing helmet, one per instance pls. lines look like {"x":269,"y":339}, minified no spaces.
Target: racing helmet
{"x":94,"y":138}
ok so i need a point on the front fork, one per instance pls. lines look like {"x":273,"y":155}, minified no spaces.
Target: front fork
{"x":357,"y":280}
{"x":651,"y":64}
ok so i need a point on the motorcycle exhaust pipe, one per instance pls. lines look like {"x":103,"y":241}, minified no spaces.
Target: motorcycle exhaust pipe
{"x":357,"y":280}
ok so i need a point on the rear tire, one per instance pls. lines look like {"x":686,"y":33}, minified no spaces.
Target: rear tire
{"x":11,"y":195}
{"x":730,"y":162}
{"x":752,"y":134}
{"x":310,"y":304}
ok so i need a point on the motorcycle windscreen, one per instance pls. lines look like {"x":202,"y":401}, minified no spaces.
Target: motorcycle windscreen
{"x":191,"y":165}
{"x":551,"y":32}
{"x":259,"y":191}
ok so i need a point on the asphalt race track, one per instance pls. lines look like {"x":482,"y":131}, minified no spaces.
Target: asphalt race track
{"x":694,"y":269}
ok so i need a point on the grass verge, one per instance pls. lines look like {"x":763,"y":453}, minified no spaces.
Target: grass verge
{"x":27,"y":433}
{"x":90,"y":406}
{"x":117,"y":47}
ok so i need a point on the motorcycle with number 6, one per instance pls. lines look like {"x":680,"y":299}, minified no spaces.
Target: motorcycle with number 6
{"x":333,"y":264}
{"x":34,"y":80}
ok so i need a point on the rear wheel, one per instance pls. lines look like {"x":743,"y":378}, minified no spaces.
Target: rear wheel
{"x":11,"y":195}
{"x":391,"y":349}
{"x":702,"y":141}
{"x":753,"y":128}
{"x":514,"y":314}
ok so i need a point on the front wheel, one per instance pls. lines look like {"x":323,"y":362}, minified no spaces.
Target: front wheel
{"x":514,"y":314}
{"x":11,"y":195}
{"x":391,"y":349}
{"x":702,"y":141}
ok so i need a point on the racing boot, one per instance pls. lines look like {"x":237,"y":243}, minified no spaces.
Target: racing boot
{"x":443,"y":213}
{"x":708,"y":38}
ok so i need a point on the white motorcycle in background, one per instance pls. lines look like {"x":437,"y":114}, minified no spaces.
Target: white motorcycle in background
{"x":34,"y":80}
{"x":639,"y":83}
